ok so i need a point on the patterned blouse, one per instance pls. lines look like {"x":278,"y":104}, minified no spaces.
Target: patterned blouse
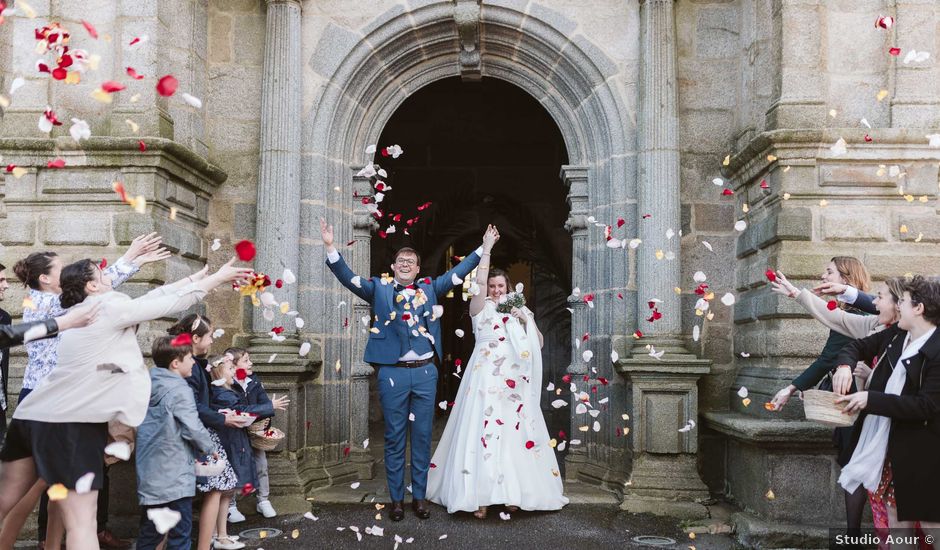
{"x":44,"y":354}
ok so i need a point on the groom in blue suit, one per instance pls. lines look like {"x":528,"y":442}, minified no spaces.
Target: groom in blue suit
{"x":404,"y":347}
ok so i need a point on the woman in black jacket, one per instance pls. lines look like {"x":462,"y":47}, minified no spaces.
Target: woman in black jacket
{"x":897,"y":434}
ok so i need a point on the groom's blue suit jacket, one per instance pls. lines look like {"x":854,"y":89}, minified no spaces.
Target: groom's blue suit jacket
{"x":384,"y":347}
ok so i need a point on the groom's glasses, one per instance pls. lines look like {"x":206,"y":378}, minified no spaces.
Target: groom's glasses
{"x":405,"y":261}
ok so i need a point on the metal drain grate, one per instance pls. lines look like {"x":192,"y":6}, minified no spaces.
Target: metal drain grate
{"x":653,"y":540}
{"x":260,"y":533}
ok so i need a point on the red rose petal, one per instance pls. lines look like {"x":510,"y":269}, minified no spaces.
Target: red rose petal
{"x":727,"y":192}
{"x":510,"y":382}
{"x":241,"y":374}
{"x":867,"y":138}
{"x":142,"y":146}
{"x":133,"y":74}
{"x":167,"y":85}
{"x":620,"y":222}
{"x":345,"y":449}
{"x":111,"y":86}
{"x":59,"y":73}
{"x":277,"y":330}
{"x":566,"y":379}
{"x":134,"y":41}
{"x":620,"y":295}
{"x":184,"y":339}
{"x":586,"y":337}
{"x":764,"y":185}
{"x":91,"y":29}
{"x":245,"y":250}
{"x":57,"y":163}
{"x":895,"y":51}
{"x":637,"y":334}
{"x":647,"y":216}
{"x":832,"y":305}
{"x":457,"y":362}
{"x":278,"y":283}
{"x":248,"y":489}
{"x":771,"y":276}
{"x":10,"y":167}
{"x":529,"y":444}
{"x":103,"y":263}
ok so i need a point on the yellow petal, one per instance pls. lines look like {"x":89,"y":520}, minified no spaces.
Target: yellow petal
{"x":172,"y":212}
{"x":19,"y":172}
{"x":552,"y":442}
{"x":881,"y":95}
{"x":659,"y":254}
{"x":4,"y":102}
{"x":786,"y":169}
{"x":770,"y":494}
{"x":135,"y":98}
{"x":74,"y":77}
{"x":102,"y":96}
{"x":903,"y":229}
{"x":57,"y":491}
{"x":771,"y":158}
{"x":909,"y":198}
{"x":255,"y":301}
{"x":134,"y":126}
{"x":786,"y":196}
{"x":746,"y":401}
{"x":833,"y":113}
{"x":919,"y":237}
{"x":727,"y":161}
{"x":374,"y":330}
{"x":678,"y":290}
{"x":745,"y":208}
{"x":28,"y":11}
{"x":710,"y":316}
{"x":583,"y":428}
{"x":262,"y":534}
{"x":338,"y":366}
{"x":295,"y":533}
{"x":923,"y":198}
{"x":93,"y":61}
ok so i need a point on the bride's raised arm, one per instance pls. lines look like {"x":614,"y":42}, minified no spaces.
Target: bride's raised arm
{"x":483,"y":270}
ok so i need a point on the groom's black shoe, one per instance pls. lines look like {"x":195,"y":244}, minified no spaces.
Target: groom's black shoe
{"x":420,"y":507}
{"x":398,"y":510}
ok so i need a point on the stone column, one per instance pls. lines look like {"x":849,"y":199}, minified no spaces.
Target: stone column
{"x":664,"y":396}
{"x":277,"y":238}
{"x":277,"y":234}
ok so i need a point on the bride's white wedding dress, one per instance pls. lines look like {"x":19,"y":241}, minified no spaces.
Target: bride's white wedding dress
{"x":495,"y":448}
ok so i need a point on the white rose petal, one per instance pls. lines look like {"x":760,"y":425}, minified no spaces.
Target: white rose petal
{"x":17,"y":83}
{"x":119,"y":449}
{"x":699,"y":277}
{"x":587,"y":355}
{"x":192,"y":100}
{"x":304,"y":349}
{"x":614,"y":356}
{"x":268,"y":300}
{"x":455,"y":279}
{"x":356,"y":281}
{"x":696,"y":333}
{"x":559,"y":403}
{"x":459,"y":332}
{"x":299,"y":322}
{"x":728,"y":299}
{"x":309,"y":515}
{"x":839,"y":147}
{"x":740,"y":225}
{"x":79,"y":130}
{"x":354,"y":485}
{"x":718,"y":181}
{"x":742,"y":392}
{"x":163,"y":519}
{"x":83,"y":485}
{"x":289,"y":277}
{"x":504,"y":516}
{"x":934,"y":140}
{"x":216,"y":244}
{"x":218,"y":333}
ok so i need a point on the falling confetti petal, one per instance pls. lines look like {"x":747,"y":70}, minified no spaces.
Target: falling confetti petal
{"x":742,"y":392}
{"x":839,"y":147}
{"x":57,"y":491}
{"x":167,"y":85}
{"x":83,"y":484}
{"x":245,"y":250}
{"x":740,"y":225}
{"x":163,"y":519}
{"x":304,"y":349}
{"x":118,"y":449}
{"x":728,"y":299}
{"x":192,"y":100}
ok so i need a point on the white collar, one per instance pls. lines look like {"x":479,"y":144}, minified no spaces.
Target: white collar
{"x":913,"y":347}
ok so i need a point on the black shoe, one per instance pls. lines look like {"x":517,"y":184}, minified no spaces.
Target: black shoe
{"x":398,"y":511}
{"x":420,"y":506}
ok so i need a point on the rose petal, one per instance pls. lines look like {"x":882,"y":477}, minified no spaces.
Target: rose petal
{"x":167,"y":85}
{"x":304,"y":349}
{"x":192,"y":100}
{"x":245,"y":250}
{"x":134,"y":74}
{"x":111,"y":86}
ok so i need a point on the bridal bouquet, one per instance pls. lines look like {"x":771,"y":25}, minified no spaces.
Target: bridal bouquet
{"x":509,"y":301}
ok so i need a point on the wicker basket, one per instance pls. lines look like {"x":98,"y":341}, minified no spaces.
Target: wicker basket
{"x":264,"y":437}
{"x":820,"y":406}
{"x":210,"y":469}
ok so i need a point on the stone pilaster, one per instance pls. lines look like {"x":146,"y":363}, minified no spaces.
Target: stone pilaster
{"x":575,"y":178}
{"x":278,"y":209}
{"x":664,"y":394}
{"x":915,"y":103}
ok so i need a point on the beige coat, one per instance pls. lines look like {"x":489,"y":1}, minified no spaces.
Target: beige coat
{"x":849,"y":324}
{"x":101,"y":375}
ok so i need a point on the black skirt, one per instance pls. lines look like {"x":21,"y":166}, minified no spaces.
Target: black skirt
{"x":63,"y":452}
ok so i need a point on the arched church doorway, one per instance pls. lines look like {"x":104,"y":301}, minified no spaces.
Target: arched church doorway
{"x":479,"y":153}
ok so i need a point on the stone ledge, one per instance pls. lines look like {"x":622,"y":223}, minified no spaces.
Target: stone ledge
{"x":756,"y":533}
{"x":751,"y":430}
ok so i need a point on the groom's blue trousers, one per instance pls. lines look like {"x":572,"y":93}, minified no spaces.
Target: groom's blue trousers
{"x":403,"y":392}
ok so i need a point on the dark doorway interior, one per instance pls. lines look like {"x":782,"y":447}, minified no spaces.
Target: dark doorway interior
{"x":481,"y":153}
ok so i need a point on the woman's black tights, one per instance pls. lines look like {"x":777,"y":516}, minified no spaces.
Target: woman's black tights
{"x":854,"y":508}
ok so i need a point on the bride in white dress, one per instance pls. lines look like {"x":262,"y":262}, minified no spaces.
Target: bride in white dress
{"x":495,"y":448}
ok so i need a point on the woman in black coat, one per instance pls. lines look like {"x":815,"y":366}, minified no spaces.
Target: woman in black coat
{"x":904,"y":397}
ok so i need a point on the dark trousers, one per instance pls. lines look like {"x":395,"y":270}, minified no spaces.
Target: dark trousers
{"x":103,"y":500}
{"x":3,"y":426}
{"x":178,"y":538}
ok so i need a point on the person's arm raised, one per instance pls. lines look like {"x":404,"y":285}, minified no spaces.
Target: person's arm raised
{"x":365,"y":288}
{"x":483,"y":269}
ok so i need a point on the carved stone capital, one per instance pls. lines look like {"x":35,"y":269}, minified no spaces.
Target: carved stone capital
{"x":467,"y":18}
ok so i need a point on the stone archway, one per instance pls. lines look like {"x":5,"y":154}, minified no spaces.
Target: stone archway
{"x":368,"y":77}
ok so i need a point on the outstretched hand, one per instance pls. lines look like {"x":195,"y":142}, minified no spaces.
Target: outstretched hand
{"x":829,"y":289}
{"x":142,"y":245}
{"x":784,"y":287}
{"x":490,"y":237}
{"x":326,"y":233}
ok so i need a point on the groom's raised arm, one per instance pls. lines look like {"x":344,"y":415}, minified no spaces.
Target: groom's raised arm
{"x":345,"y":275}
{"x":364,"y":288}
{"x":443,"y":284}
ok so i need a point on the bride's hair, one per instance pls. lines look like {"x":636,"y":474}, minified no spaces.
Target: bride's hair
{"x":497,"y":272}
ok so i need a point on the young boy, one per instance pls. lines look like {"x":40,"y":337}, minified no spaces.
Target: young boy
{"x":165,"y":444}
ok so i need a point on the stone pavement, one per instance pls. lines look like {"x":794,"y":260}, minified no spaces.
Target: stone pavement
{"x":577,"y":526}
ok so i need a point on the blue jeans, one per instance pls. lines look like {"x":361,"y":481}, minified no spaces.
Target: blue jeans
{"x":413,"y":391}
{"x":179,"y":537}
